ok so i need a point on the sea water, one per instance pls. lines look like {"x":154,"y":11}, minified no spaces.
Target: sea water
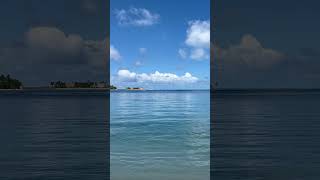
{"x":53,"y":135}
{"x":160,"y":135}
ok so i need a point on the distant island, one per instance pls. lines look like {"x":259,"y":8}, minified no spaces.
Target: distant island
{"x":134,"y":88}
{"x":6,"y":82}
{"x":83,"y":85}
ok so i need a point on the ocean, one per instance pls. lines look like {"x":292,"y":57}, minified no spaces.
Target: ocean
{"x":160,"y":135}
{"x":260,"y":134}
{"x":53,"y":135}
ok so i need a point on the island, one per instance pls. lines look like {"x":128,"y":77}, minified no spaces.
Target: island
{"x":81,"y":85}
{"x":135,"y":88}
{"x":6,"y":82}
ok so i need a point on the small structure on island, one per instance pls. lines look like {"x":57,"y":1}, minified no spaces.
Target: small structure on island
{"x":135,"y":88}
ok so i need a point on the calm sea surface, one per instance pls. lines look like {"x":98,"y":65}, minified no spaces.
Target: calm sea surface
{"x":160,"y":135}
{"x":266,"y":135}
{"x":53,"y":135}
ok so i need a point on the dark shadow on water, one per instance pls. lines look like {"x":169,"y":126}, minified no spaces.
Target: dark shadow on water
{"x":265,"y":135}
{"x":51,"y":135}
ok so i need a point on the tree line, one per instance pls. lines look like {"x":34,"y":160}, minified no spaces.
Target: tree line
{"x":89,"y":84}
{"x":6,"y":82}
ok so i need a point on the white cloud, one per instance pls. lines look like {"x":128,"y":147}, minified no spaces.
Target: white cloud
{"x":156,"y":77}
{"x":142,"y":50}
{"x":125,"y":75}
{"x":136,"y":17}
{"x":114,"y":53}
{"x":183,"y":53}
{"x":198,"y":34}
{"x":198,"y":40}
{"x":199,"y":54}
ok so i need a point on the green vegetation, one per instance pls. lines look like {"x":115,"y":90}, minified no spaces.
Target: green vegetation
{"x":58,"y":84}
{"x":84,"y":85}
{"x":6,"y":82}
{"x":89,"y":84}
{"x":112,"y":87}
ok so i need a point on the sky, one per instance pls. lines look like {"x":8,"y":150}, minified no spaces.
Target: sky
{"x":160,"y":44}
{"x":266,"y":44}
{"x":45,"y":40}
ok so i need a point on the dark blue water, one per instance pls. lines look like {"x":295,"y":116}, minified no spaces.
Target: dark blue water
{"x":160,"y":135}
{"x":265,"y":135}
{"x":257,"y":135}
{"x":53,"y":135}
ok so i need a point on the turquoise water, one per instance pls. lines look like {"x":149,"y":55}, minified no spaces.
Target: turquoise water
{"x":160,"y":135}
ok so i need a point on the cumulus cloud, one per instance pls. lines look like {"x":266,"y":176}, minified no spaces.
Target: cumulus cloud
{"x":198,"y":34}
{"x":125,"y":75}
{"x":48,"y":43}
{"x":250,"y":53}
{"x":114,"y":53}
{"x":55,"y":53}
{"x":199,"y":54}
{"x":197,"y":40}
{"x":249,"y":64}
{"x":136,"y":17}
{"x":53,"y":46}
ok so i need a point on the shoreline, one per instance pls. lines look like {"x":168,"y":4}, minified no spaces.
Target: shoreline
{"x":55,"y":89}
{"x":133,"y":90}
{"x":95,"y":89}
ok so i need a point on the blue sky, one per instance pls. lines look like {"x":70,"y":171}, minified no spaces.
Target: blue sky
{"x":160,"y":44}
{"x":66,"y":40}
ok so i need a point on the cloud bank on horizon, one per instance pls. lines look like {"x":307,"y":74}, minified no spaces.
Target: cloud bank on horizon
{"x":156,"y":77}
{"x":155,"y":80}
